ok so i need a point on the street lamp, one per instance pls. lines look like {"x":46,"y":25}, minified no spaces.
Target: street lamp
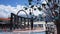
{"x":43,"y":5}
{"x":31,"y":18}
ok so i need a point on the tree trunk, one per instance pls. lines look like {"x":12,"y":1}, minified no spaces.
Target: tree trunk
{"x":57,"y":23}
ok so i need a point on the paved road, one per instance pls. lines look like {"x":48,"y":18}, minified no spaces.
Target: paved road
{"x":22,"y":33}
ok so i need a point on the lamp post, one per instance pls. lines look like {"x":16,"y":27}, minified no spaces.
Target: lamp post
{"x":43,"y":5}
{"x":31,"y":21}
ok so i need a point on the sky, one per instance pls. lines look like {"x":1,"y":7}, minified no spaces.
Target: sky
{"x":12,"y":6}
{"x":13,"y":2}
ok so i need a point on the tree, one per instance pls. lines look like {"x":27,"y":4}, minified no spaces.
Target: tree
{"x":30,"y":3}
{"x":56,"y":15}
{"x":54,"y":6}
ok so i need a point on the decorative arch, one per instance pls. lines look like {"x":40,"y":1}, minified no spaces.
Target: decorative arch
{"x":23,"y":11}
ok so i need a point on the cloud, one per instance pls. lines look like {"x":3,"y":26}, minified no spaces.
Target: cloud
{"x":44,"y":1}
{"x":3,"y":15}
{"x":6,"y":10}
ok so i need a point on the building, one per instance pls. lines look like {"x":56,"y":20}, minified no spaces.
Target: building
{"x":4,"y":20}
